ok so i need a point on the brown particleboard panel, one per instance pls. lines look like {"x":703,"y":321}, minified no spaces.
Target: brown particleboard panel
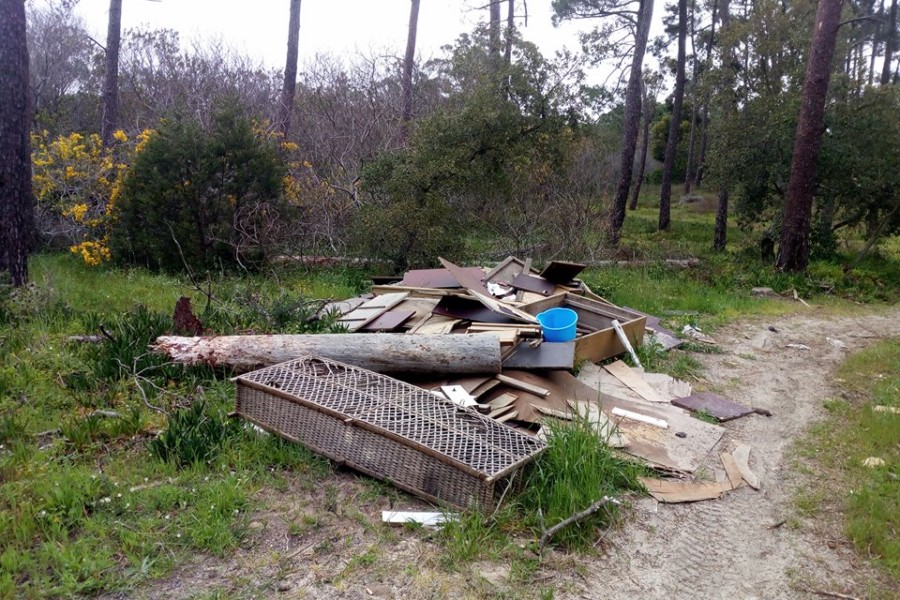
{"x":530,"y":283}
{"x":368,"y":312}
{"x":437,"y":278}
{"x":546,"y":356}
{"x":658,"y":447}
{"x":602,"y":343}
{"x":673,"y":491}
{"x":470,"y":310}
{"x":718,"y":406}
{"x":562,"y":272}
{"x":389,"y":321}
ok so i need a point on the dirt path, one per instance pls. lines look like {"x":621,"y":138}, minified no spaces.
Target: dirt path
{"x":727,"y":548}
{"x":724,"y":548}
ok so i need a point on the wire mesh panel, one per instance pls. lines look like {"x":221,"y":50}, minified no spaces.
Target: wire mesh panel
{"x":423,"y":444}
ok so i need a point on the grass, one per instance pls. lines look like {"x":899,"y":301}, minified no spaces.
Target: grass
{"x":86,"y":507}
{"x":866,"y":498}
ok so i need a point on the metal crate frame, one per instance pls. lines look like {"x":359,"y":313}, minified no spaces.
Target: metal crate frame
{"x":388,"y":429}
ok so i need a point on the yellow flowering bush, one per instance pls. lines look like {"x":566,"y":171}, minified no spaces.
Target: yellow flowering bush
{"x":76,"y":182}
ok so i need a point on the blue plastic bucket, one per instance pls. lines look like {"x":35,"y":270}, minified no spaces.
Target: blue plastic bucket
{"x":558,"y":324}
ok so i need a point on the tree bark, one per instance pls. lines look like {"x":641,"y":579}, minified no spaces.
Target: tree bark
{"x":721,"y":231}
{"x":510,"y":28}
{"x":289,"y":87}
{"x":890,"y":44}
{"x":704,"y":118}
{"x":793,"y":248}
{"x":645,"y":144}
{"x":16,"y":198}
{"x":408,"y":61}
{"x":695,"y":88}
{"x":380,"y":352}
{"x":494,"y":28}
{"x":111,"y":81}
{"x":665,"y":197}
{"x":631,"y":124}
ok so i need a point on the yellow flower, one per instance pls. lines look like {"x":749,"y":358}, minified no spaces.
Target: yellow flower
{"x":120,"y":136}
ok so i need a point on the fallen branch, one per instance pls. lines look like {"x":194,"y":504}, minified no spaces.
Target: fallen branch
{"x":830,"y":594}
{"x":548,"y":534}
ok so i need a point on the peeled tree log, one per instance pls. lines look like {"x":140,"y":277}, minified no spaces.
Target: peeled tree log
{"x":379,"y":352}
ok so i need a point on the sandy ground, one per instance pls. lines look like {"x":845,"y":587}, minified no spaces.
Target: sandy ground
{"x":747,"y":544}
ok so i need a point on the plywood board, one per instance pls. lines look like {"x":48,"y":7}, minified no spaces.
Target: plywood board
{"x":673,"y":491}
{"x":741,"y":456}
{"x":437,"y":278}
{"x":732,"y":470}
{"x":545,"y":356}
{"x":562,"y":272}
{"x":718,"y":406}
{"x":530,"y":283}
{"x":470,"y":310}
{"x":370,"y":310}
{"x":632,"y":379}
{"x":388,"y":321}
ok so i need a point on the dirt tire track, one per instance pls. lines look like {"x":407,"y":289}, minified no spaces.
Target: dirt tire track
{"x":727,"y":548}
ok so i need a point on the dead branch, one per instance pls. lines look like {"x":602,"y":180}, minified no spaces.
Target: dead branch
{"x":548,"y":534}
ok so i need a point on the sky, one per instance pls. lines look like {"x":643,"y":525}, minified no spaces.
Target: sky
{"x":340,"y":27}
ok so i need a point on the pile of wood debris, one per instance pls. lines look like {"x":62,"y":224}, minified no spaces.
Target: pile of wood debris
{"x":471,"y":335}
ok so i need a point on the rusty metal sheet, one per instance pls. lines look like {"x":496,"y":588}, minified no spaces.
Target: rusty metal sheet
{"x":389,"y":321}
{"x":718,"y":406}
{"x":562,"y":272}
{"x":530,"y":283}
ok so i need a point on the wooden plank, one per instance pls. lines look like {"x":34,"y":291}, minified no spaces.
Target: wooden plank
{"x":732,"y":470}
{"x":629,"y":377}
{"x":436,"y":278}
{"x":484,"y":387}
{"x":715,"y":405}
{"x":562,"y":272}
{"x":666,"y":490}
{"x":503,"y":400}
{"x":435,"y":324}
{"x":636,"y":416}
{"x":470,"y":310}
{"x":507,"y":416}
{"x":388,"y":321}
{"x":545,"y":356}
{"x":477,"y":289}
{"x":552,"y":412}
{"x":370,"y":310}
{"x":499,"y":411}
{"x":521,"y":385}
{"x":741,"y":456}
{"x":530,"y":283}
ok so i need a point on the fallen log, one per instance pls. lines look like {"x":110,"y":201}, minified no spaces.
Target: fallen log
{"x":379,"y":352}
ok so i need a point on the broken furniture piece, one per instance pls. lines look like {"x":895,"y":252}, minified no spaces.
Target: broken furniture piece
{"x":388,"y":429}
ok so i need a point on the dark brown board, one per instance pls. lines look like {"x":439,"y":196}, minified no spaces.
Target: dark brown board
{"x":718,"y":406}
{"x":437,"y":278}
{"x":470,"y":310}
{"x":533,"y":284}
{"x":389,"y":321}
{"x":562,"y":272}
{"x":552,"y":356}
{"x":664,"y":336}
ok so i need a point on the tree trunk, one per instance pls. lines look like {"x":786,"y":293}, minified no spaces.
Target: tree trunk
{"x":689,"y":169}
{"x":16,"y":198}
{"x":631,"y":123}
{"x":510,"y":28}
{"x":408,"y":61}
{"x":645,"y":143}
{"x":380,"y":352}
{"x":111,"y":81}
{"x":665,"y":197}
{"x":793,"y":248}
{"x":289,"y":87}
{"x":494,"y":28}
{"x":890,"y":44}
{"x":704,"y":118}
{"x":721,"y":231}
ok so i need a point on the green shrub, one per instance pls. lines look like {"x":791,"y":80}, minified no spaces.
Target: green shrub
{"x":195,"y":434}
{"x":199,"y":198}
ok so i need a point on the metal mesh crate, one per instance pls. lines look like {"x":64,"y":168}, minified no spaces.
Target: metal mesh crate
{"x":388,"y":429}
